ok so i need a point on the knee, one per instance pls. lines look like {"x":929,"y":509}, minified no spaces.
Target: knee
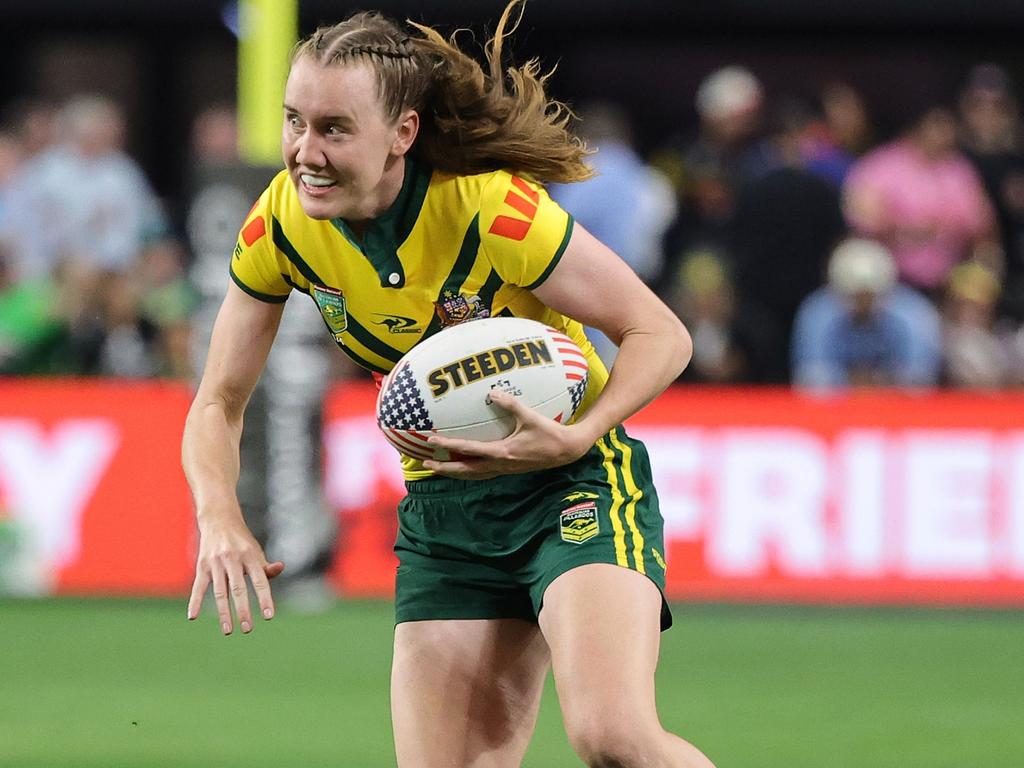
{"x":619,"y":742}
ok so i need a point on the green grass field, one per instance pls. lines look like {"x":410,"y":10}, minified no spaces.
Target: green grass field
{"x":119,"y":683}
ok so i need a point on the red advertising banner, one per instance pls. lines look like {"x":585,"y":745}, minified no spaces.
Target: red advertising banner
{"x":770,"y":495}
{"x":92,"y":497}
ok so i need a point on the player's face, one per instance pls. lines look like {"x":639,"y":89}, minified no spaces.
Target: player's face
{"x":340,"y":149}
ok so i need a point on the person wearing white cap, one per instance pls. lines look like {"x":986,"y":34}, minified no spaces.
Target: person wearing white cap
{"x":864,"y":329}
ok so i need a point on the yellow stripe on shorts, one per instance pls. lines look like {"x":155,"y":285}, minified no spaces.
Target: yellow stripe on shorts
{"x":613,"y":481}
{"x":634,"y":494}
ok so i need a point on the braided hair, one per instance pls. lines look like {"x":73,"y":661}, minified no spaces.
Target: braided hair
{"x":471,"y":121}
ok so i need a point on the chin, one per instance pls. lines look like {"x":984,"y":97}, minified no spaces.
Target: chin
{"x":319,"y":209}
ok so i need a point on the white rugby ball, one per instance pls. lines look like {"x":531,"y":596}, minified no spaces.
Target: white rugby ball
{"x":441,"y":386}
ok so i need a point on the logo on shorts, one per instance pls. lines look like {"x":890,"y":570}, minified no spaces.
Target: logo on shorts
{"x":579,"y":522}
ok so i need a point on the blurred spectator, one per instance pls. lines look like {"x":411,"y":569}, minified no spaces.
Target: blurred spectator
{"x":864,"y":329}
{"x":628,"y":205}
{"x":922,"y":198}
{"x":31,"y":329}
{"x":980,"y":351}
{"x":786,"y":222}
{"x":707,"y":171}
{"x":991,"y":130}
{"x":167,"y":302}
{"x":847,"y":122}
{"x":215,"y":135}
{"x":731,"y":345}
{"x":33,"y":123}
{"x":83,"y":200}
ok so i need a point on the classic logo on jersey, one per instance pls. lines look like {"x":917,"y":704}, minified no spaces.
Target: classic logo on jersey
{"x":522,"y":199}
{"x":397,"y":323}
{"x":454,"y":308}
{"x":579,"y":522}
{"x":577,"y":495}
{"x":332,"y":306}
{"x":458,"y":373}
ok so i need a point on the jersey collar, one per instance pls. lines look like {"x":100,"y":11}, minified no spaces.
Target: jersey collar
{"x":389,"y":230}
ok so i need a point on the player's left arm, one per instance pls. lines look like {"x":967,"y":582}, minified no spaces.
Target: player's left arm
{"x":593,"y":285}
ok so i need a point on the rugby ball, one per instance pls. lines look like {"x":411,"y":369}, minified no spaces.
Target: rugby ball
{"x":442,"y":385}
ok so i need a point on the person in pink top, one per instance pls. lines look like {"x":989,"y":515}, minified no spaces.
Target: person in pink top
{"x":922,"y":198}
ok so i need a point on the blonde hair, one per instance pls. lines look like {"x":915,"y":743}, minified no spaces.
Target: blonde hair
{"x":471,"y":120}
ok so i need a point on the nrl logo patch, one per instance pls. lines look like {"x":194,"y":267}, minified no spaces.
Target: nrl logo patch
{"x":579,"y":522}
{"x":332,"y":307}
{"x":454,"y":308}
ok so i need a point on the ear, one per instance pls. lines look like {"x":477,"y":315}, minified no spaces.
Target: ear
{"x":407,"y":130}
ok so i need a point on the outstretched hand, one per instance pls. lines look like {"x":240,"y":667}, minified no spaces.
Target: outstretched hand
{"x":537,"y":442}
{"x":228,"y":553}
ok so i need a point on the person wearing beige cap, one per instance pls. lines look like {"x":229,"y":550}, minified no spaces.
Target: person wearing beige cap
{"x":864,"y":329}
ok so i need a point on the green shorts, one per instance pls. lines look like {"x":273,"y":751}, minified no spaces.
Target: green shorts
{"x":488,"y":549}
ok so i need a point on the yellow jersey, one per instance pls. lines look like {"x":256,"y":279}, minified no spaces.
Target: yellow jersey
{"x":449,"y":249}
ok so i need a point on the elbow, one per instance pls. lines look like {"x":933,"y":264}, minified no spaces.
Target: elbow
{"x":681,"y":344}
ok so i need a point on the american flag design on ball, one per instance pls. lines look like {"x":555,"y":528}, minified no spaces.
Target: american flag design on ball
{"x":403,"y":416}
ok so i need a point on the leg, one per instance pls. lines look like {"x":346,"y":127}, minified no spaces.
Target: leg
{"x":465,"y":693}
{"x":604,"y":650}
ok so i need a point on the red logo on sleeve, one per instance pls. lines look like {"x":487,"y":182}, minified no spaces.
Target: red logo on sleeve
{"x":254,"y":230}
{"x":525,"y":203}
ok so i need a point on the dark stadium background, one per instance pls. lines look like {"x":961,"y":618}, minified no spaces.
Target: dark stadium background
{"x":102,"y":682}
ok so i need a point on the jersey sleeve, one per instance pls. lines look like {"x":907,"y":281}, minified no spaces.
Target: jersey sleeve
{"x":254,"y":264}
{"x":523,"y":231}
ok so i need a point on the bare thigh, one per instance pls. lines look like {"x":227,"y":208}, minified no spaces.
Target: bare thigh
{"x":602,"y":624}
{"x":465,"y":693}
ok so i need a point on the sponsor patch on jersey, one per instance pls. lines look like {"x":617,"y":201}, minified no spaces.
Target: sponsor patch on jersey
{"x":332,"y":307}
{"x":579,"y":522}
{"x":397,"y":323}
{"x":454,"y":308}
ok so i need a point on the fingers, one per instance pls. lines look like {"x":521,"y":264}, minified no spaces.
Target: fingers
{"x":220,"y":597}
{"x":195,"y":600}
{"x":512,"y":404}
{"x":273,"y":570}
{"x":240,"y":597}
{"x":259,"y":576}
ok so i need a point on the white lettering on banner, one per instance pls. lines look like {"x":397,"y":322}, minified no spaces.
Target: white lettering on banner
{"x":676,"y":467}
{"x":948,"y":504}
{"x":1015,"y":502}
{"x":771,"y":503}
{"x":358,"y":460}
{"x":866,"y":504}
{"x":49,"y":476}
{"x":859,"y":481}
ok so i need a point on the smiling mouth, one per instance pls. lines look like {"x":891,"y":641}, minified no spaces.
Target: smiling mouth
{"x":316,"y":184}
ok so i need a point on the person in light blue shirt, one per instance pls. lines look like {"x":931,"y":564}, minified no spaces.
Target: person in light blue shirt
{"x":864,"y":329}
{"x":627,"y":204}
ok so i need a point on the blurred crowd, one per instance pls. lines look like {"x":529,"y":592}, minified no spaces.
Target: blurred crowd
{"x":797,"y":244}
{"x":801,"y":248}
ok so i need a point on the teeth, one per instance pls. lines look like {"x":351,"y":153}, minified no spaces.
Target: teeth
{"x":315,"y":181}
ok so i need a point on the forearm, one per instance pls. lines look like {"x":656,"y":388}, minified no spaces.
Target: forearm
{"x":647,"y":362}
{"x":210,"y":457}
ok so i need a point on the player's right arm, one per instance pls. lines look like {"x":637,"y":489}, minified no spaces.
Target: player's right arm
{"x":242,"y":335}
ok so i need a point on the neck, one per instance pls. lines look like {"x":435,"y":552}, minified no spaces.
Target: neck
{"x":383,"y":196}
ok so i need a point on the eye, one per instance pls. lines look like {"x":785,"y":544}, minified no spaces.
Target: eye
{"x":293,"y":120}
{"x":335,"y":130}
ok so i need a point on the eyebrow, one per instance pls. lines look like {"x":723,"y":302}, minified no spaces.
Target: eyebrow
{"x":325,"y":118}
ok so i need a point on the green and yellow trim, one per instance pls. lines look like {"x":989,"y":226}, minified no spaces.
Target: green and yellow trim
{"x":618,"y":457}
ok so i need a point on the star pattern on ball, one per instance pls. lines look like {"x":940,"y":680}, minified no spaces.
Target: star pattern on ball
{"x":576,"y":392}
{"x":402,"y":406}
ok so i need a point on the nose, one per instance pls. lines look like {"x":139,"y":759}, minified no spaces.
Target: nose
{"x":309,"y":150}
